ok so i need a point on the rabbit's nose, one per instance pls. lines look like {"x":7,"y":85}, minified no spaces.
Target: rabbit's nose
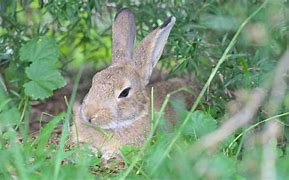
{"x":84,"y":117}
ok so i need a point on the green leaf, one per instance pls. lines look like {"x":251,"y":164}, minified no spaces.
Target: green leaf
{"x":40,"y":49}
{"x":36,"y":91}
{"x":201,"y":123}
{"x":44,"y":79}
{"x":3,"y":99}
{"x":43,"y":53}
{"x":221,"y":167}
{"x":282,"y":166}
{"x":9,"y":117}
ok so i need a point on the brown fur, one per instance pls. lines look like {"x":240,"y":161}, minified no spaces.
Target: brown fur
{"x":136,"y":133}
{"x":106,"y":120}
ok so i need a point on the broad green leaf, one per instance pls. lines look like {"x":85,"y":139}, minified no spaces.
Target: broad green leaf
{"x":282,"y":166}
{"x":44,"y":79}
{"x":221,"y":167}
{"x":200,"y":124}
{"x":36,"y":91}
{"x":40,"y":49}
{"x":9,"y":117}
{"x":46,"y":75}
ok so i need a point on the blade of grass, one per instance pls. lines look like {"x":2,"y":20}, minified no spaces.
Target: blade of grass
{"x":23,"y":121}
{"x":152,"y":107}
{"x":240,"y":147}
{"x":212,"y":75}
{"x":59,"y":154}
{"x":19,"y":162}
{"x":255,"y":125}
{"x":46,"y":132}
{"x":3,"y":104}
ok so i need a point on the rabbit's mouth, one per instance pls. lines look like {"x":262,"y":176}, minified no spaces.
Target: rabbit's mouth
{"x":115,"y":124}
{"x":123,"y":123}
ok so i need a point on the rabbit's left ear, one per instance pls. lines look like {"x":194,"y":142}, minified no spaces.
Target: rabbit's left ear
{"x":123,"y":36}
{"x":150,"y":49}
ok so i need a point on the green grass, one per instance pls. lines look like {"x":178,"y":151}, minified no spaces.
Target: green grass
{"x":230,"y":47}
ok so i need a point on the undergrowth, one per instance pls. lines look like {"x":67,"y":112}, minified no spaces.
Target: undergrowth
{"x":230,"y":47}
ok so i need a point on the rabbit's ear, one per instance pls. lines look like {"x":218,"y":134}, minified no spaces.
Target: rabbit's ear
{"x":150,"y":49}
{"x":123,"y":36}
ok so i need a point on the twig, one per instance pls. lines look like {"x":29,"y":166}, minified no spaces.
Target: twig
{"x":244,"y":116}
{"x":269,"y":137}
{"x":238,"y":120}
{"x":272,"y":129}
{"x":279,"y":84}
{"x":257,"y":124}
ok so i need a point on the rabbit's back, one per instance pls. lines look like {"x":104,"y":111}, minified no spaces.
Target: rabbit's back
{"x":181,"y":92}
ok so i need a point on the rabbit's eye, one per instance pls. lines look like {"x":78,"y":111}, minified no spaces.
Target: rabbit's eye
{"x":124,"y":93}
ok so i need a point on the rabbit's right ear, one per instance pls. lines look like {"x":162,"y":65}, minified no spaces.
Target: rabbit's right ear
{"x":150,"y":49}
{"x":123,"y":36}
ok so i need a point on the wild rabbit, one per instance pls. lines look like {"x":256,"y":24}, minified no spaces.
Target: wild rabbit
{"x":118,"y":102}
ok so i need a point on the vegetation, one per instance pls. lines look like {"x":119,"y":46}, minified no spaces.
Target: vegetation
{"x":236,"y":129}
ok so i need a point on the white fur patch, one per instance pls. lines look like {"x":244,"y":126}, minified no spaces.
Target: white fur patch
{"x":118,"y":124}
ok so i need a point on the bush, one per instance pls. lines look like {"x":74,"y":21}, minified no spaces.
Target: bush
{"x":230,"y":47}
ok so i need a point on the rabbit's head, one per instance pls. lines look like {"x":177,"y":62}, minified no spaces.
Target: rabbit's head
{"x":118,"y":97}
